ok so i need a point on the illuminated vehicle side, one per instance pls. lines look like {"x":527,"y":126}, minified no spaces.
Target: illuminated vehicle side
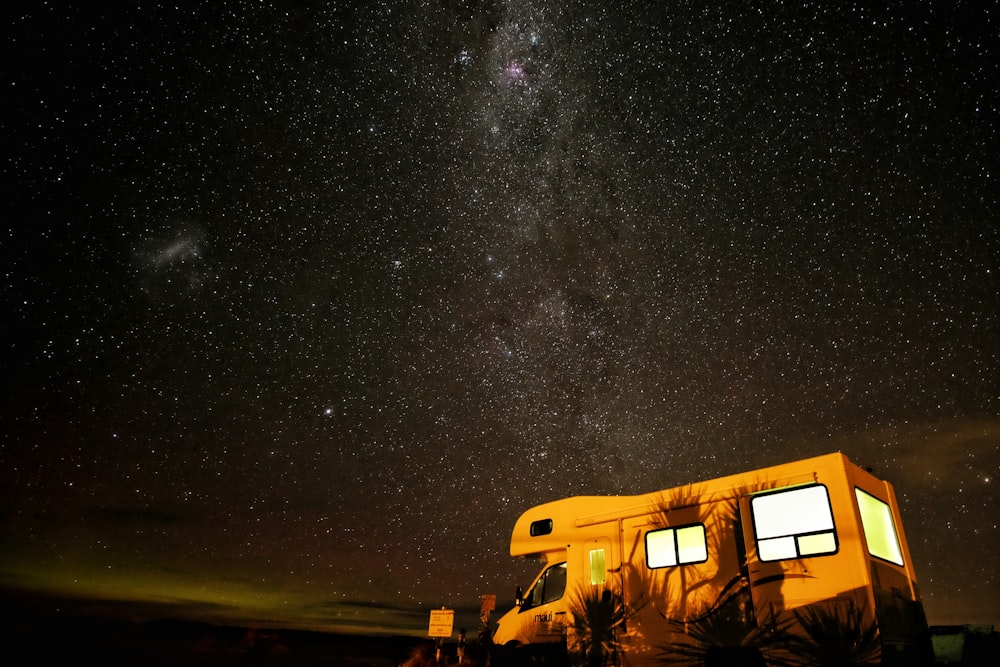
{"x":754,"y":566}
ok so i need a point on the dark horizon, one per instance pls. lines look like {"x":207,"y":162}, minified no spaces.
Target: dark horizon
{"x":51,"y":629}
{"x":31,"y":606}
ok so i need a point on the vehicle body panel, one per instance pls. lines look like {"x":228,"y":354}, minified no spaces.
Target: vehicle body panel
{"x":782,"y":564}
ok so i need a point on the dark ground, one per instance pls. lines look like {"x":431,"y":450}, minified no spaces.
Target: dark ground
{"x":47,"y":634}
{"x":42,"y":634}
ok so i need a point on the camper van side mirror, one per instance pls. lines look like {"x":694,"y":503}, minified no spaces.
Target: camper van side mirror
{"x":518,"y":596}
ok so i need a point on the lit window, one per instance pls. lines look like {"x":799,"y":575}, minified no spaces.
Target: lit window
{"x":793,"y":523}
{"x":880,"y":532}
{"x":598,"y":571}
{"x":676,"y":546}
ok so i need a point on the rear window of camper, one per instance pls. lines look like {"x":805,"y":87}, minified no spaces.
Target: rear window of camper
{"x":793,"y":523}
{"x":880,"y":531}
{"x":676,"y":546}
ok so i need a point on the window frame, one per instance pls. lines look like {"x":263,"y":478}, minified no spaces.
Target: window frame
{"x":543,"y":580}
{"x":540,"y":527}
{"x":892,"y":524}
{"x":795,"y":538}
{"x":676,"y":545}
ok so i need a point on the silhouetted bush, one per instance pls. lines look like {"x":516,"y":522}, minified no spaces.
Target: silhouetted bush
{"x":422,"y":655}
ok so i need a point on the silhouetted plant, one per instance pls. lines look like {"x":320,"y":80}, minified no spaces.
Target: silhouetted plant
{"x":836,"y":636}
{"x":422,"y":655}
{"x":597,"y":616}
{"x":726,"y":633}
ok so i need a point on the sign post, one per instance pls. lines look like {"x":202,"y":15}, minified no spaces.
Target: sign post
{"x":489,"y":604}
{"x":441,"y":623}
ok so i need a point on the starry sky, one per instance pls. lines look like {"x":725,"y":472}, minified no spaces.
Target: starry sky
{"x":304,"y":303}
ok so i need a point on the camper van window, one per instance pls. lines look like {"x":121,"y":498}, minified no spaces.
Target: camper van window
{"x":541,"y":527}
{"x":793,"y":523}
{"x":676,"y":546}
{"x":549,"y":587}
{"x":598,"y":567}
{"x":880,"y":532}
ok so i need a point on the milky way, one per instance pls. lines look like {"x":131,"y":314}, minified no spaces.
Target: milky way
{"x":306,"y":305}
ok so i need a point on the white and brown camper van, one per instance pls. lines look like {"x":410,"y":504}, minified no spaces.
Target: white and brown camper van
{"x":795,"y":564}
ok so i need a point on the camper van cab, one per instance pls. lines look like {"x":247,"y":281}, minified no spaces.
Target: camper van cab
{"x":790,"y":564}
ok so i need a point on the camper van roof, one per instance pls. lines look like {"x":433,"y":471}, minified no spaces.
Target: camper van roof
{"x":551,"y":526}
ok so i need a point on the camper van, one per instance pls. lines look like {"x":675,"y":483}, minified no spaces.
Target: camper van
{"x":801,"y":563}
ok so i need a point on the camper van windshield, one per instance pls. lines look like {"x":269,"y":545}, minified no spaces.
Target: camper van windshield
{"x":549,"y":587}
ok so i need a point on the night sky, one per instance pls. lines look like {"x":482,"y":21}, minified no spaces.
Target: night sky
{"x":303,"y":305}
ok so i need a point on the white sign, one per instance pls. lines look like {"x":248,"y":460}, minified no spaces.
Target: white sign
{"x":442,"y":622}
